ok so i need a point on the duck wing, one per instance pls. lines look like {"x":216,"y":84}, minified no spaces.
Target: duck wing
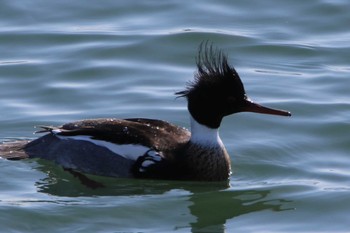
{"x":156,"y":134}
{"x":109,"y":147}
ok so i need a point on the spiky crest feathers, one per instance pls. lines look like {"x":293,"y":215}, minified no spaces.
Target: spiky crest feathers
{"x":212,"y":65}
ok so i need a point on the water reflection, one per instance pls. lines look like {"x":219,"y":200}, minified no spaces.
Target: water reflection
{"x":213,"y":210}
{"x":212,"y":204}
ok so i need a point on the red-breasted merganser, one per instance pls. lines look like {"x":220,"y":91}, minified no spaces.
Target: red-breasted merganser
{"x":148,"y":148}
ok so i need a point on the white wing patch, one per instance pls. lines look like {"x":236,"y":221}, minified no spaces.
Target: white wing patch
{"x":128,"y":151}
{"x":151,"y":157}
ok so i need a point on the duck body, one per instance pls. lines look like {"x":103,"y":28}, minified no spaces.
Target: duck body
{"x":137,"y":147}
{"x":148,"y":148}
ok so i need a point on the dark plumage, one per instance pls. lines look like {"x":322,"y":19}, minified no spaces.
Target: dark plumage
{"x":212,"y":65}
{"x":217,"y":89}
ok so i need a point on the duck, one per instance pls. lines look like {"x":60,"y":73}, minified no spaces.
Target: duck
{"x":151,"y":148}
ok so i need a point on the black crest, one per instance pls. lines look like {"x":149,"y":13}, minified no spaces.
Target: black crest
{"x":216,"y":90}
{"x":212,"y":68}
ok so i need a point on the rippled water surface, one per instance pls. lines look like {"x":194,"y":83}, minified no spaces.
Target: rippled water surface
{"x":66,"y":60}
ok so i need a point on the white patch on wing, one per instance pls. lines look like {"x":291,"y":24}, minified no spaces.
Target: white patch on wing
{"x":56,"y":131}
{"x":154,"y":156}
{"x":128,"y":151}
{"x":151,"y":157}
{"x":147,"y":163}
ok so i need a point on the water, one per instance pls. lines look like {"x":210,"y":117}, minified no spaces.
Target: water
{"x":62,"y":61}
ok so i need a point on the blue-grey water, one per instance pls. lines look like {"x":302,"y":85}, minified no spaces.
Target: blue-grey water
{"x":66,"y":60}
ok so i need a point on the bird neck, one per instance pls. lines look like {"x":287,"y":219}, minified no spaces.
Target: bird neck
{"x":204,"y":136}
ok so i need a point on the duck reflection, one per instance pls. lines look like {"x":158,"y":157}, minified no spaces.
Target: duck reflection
{"x":212,"y":204}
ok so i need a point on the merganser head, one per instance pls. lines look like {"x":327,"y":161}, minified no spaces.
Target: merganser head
{"x":217,"y":90}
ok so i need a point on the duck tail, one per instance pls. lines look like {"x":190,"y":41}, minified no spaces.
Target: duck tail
{"x":14,"y":150}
